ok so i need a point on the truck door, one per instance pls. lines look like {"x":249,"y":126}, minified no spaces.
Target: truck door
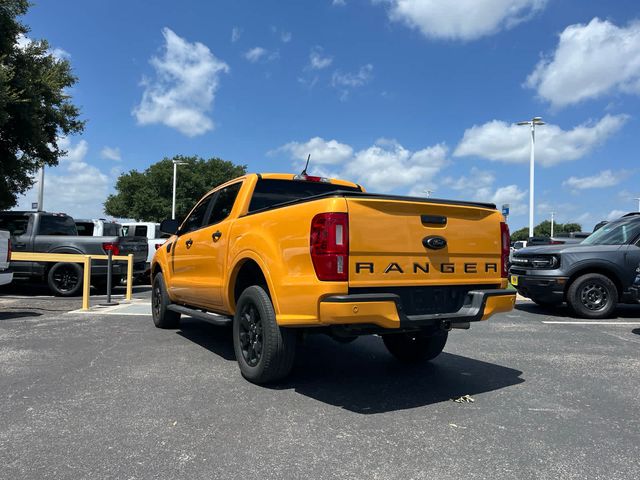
{"x":181,"y":267}
{"x":208,"y":252}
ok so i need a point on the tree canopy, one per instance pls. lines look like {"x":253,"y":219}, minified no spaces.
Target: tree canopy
{"x":35,"y":108}
{"x":543,"y":229}
{"x":146,"y":196}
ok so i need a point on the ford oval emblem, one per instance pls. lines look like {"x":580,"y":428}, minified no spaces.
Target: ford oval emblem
{"x":434,"y":242}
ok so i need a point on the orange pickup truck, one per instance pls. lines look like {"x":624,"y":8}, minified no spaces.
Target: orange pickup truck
{"x":275,"y":255}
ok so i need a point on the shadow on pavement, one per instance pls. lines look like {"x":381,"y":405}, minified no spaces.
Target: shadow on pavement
{"x":636,"y":331}
{"x":563,"y":311}
{"x":217,"y":340}
{"x":362,"y":377}
{"x":18,"y":314}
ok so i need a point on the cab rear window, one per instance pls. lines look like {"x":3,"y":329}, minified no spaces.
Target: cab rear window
{"x":271,"y":192}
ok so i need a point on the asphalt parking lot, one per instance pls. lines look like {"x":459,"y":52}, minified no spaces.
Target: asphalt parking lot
{"x":107,"y":395}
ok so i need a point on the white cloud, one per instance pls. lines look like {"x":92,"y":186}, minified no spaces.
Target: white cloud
{"x":345,"y":82}
{"x":590,"y":61}
{"x":74,"y":186}
{"x":286,"y":37}
{"x":111,"y":153}
{"x":479,"y":186}
{"x":317,"y":60}
{"x":604,"y":179}
{"x":183,"y":91}
{"x":338,"y":3}
{"x":258,"y":54}
{"x":509,"y":143}
{"x":461,"y":19}
{"x":382,"y":167}
{"x":615,"y":214}
{"x":236,"y":33}
{"x":323,"y":152}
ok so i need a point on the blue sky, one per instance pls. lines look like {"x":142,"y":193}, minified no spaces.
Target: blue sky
{"x":399,"y":95}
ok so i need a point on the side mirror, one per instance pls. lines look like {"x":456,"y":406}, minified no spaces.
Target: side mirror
{"x":170,"y":226}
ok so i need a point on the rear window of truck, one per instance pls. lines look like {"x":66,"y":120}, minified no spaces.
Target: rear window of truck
{"x":271,"y":192}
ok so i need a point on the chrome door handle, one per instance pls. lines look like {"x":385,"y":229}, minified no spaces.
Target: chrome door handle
{"x":188,"y":243}
{"x":216,"y":235}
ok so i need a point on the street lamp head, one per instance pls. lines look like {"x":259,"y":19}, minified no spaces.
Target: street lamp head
{"x":523,"y":123}
{"x":537,"y":119}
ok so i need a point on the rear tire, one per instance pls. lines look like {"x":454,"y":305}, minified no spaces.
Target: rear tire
{"x":593,"y":296}
{"x":415,"y":347}
{"x":65,"y":279}
{"x":265,"y":352}
{"x":162,"y":317}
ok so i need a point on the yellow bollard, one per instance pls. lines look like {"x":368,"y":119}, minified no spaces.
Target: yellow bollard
{"x":86,"y":280}
{"x":129,"y":276}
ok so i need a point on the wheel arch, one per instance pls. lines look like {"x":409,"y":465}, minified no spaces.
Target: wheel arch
{"x":248,"y":269}
{"x":601,"y":269}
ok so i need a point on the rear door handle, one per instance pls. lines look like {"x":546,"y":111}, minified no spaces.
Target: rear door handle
{"x":18,"y":246}
{"x":216,"y":235}
{"x":188,"y":243}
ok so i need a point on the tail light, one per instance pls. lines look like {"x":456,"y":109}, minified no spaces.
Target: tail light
{"x":505,"y":240}
{"x":556,"y":242}
{"x":9,"y":250}
{"x":114,"y":248}
{"x":158,"y":245}
{"x":329,"y":242}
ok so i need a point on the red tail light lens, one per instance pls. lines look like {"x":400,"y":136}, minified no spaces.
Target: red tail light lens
{"x":505,"y":240}
{"x":114,"y":248}
{"x":330,"y":246}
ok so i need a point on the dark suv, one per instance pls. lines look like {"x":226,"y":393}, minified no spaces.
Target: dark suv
{"x":591,"y":276}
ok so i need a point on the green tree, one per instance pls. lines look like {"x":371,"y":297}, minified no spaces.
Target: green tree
{"x":543,"y":229}
{"x":35,"y":108}
{"x":146,"y":196}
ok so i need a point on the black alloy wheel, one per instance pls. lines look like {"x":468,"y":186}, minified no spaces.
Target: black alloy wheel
{"x":251,"y":334}
{"x":65,"y":279}
{"x":593,"y":295}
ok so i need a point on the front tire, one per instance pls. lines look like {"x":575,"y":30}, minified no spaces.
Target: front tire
{"x":264,"y":351}
{"x":415,"y":347}
{"x":65,"y":279}
{"x":162,"y":317}
{"x":593,"y":296}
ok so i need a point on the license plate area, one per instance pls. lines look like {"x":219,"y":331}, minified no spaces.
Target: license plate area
{"x":514,"y":280}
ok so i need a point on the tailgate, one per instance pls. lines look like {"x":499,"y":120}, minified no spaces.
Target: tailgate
{"x":398,"y":242}
{"x":136,"y":245}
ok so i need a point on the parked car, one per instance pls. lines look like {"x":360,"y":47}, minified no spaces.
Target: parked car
{"x":57,"y":233}
{"x":592,"y":276}
{"x":6,"y":275}
{"x":283,"y":252}
{"x":150,"y":231}
{"x":97,"y":227}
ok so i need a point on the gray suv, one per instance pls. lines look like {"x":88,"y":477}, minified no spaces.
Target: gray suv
{"x":592,"y":276}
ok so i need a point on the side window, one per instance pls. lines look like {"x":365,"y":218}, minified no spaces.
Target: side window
{"x":57,"y":225}
{"x":125,"y":230}
{"x":224,"y":203}
{"x":195,"y":219}
{"x":141,"y":231}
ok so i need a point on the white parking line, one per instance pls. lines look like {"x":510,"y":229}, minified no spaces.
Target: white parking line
{"x":592,"y":322}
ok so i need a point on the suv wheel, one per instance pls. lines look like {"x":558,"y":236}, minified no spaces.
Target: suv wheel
{"x":162,"y":317}
{"x":265,"y":351}
{"x":593,"y":296}
{"x":415,"y":347}
{"x":65,"y":279}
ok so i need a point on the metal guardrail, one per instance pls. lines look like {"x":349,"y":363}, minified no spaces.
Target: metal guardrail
{"x":78,"y":258}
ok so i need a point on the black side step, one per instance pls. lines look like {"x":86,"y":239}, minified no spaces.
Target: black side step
{"x":212,"y":318}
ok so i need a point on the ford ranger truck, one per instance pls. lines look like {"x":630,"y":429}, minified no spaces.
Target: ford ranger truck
{"x":278,"y":254}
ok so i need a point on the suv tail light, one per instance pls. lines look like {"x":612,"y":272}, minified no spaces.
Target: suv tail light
{"x":505,"y":242}
{"x":329,"y":243}
{"x":114,"y":248}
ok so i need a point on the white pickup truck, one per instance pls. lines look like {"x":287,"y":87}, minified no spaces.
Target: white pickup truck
{"x":5,"y":257}
{"x":151,"y":231}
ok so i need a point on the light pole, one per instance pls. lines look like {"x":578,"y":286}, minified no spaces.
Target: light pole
{"x":428,"y":192}
{"x":41,"y":190}
{"x":175,"y":175}
{"x":552,"y":214}
{"x":533,"y":122}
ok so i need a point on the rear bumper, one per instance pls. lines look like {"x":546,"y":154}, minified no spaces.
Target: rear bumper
{"x":386,"y":311}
